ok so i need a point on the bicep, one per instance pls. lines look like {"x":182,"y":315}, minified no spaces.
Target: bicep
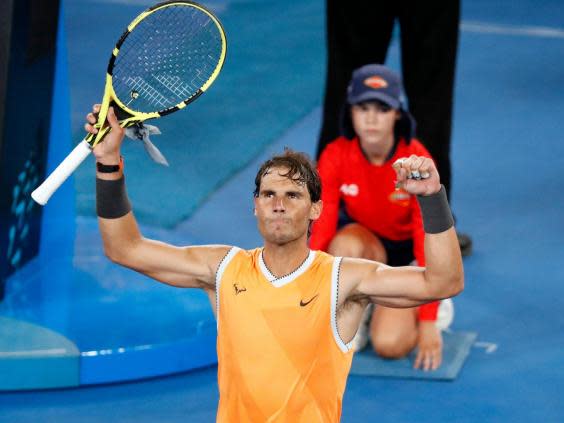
{"x":187,"y":267}
{"x":398,"y":287}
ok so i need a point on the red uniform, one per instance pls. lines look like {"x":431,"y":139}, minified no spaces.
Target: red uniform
{"x":370,"y":198}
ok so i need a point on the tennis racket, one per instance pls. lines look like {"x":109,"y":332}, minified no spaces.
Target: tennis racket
{"x":167,"y":57}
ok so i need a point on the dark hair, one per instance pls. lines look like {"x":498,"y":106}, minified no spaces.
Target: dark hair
{"x":300,"y":169}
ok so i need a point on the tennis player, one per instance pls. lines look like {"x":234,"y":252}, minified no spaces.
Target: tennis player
{"x":285,"y":314}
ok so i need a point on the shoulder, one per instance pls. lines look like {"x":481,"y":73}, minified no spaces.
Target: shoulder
{"x":241,"y":255}
{"x":337,"y":147}
{"x":327,"y":263}
{"x":225,"y":254}
{"x":337,"y":155}
{"x":321,"y":257}
{"x":352,"y":271}
{"x":332,"y":158}
{"x":236,"y":259}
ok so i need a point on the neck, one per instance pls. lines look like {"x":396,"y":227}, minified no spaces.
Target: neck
{"x":377,"y":154}
{"x":283,"y":259}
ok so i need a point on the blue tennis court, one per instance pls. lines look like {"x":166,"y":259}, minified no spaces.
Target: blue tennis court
{"x":159,"y":342}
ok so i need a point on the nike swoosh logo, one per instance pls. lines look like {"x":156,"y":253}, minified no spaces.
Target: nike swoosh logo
{"x":304,"y":303}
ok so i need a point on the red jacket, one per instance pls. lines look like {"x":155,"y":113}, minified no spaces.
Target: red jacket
{"x":370,"y":198}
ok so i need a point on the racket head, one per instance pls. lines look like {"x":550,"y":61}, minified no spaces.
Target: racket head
{"x":167,"y":57}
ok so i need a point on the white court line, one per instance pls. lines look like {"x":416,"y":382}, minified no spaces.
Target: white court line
{"x":520,"y":30}
{"x":489,"y":347}
{"x":33,"y":353}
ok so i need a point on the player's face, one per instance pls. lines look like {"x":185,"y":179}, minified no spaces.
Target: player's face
{"x":284,"y":208}
{"x":374,"y":123}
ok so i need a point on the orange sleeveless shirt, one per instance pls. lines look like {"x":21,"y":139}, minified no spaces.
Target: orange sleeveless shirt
{"x":280,"y":357}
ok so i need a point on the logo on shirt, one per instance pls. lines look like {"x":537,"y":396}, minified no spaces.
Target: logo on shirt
{"x":304,"y":303}
{"x":400,"y":197}
{"x":239,"y":289}
{"x":351,"y":189}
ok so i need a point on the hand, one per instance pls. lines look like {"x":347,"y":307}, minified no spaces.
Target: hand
{"x":107,"y":151}
{"x":417,"y":175}
{"x":430,"y":346}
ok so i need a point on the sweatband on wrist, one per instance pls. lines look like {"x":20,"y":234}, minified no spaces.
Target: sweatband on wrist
{"x":111,"y":198}
{"x":436,"y":213}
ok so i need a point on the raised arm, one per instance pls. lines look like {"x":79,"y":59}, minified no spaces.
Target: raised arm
{"x":411,"y":286}
{"x":190,"y":267}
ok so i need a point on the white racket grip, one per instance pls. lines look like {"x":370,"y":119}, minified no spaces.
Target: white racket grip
{"x":44,"y":191}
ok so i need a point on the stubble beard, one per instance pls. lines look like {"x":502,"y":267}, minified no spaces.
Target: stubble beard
{"x":279,"y":237}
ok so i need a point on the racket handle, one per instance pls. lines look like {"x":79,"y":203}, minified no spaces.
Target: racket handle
{"x":44,"y":191}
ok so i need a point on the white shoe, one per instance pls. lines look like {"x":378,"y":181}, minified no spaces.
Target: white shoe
{"x":360,"y":340}
{"x":445,"y":314}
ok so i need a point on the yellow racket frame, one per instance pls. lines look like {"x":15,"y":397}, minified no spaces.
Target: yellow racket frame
{"x":135,"y":116}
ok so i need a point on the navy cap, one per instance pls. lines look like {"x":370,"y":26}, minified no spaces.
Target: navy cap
{"x":375,"y":82}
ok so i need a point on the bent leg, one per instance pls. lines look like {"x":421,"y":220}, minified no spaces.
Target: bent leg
{"x":354,"y":240}
{"x":393,"y":331}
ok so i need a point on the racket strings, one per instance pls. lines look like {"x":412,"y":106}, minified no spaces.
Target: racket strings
{"x":167,"y":58}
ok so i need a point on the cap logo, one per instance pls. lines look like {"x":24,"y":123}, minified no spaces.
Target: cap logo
{"x":375,"y":82}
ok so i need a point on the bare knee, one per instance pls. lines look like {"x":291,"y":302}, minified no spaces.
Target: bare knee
{"x":392,"y":345}
{"x":346,"y":245}
{"x":355,"y":240}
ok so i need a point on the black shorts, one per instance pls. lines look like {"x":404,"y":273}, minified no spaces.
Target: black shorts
{"x":400,"y":253}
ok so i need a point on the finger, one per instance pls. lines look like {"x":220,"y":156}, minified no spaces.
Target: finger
{"x":437,"y":360}
{"x":418,"y":360}
{"x":415,"y":163}
{"x":409,"y":161}
{"x":96,"y":108}
{"x":404,"y":167}
{"x":426,"y":165}
{"x":90,"y":128}
{"x":91,"y":118}
{"x":401,"y":178}
{"x":414,"y":174}
{"x":397,"y":165}
{"x":432,"y":360}
{"x":403,"y":174}
{"x":426,"y":168}
{"x":415,"y":167}
{"x":411,"y":186}
{"x":427,"y":361}
{"x":113,"y":120}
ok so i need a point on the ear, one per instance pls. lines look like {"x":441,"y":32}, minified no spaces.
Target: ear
{"x":315,"y":210}
{"x":255,"y":206}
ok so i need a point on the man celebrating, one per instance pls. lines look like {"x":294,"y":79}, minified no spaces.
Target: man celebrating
{"x":285,"y":314}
